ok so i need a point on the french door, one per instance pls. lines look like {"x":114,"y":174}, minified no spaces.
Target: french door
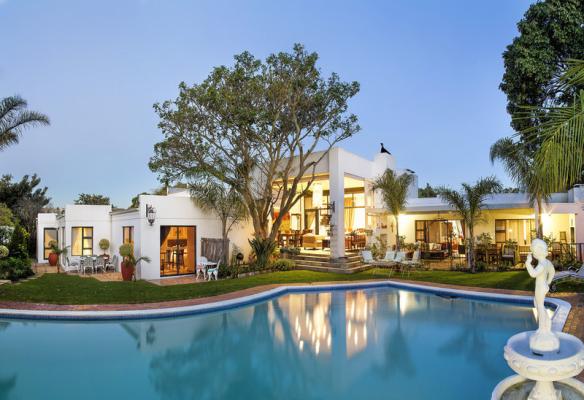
{"x":177,"y":250}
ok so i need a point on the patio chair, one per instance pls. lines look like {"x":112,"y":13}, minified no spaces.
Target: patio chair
{"x":100,"y":264}
{"x":85,"y":263}
{"x":201,"y":268}
{"x":569,"y":274}
{"x":213,"y":271}
{"x":112,"y":264}
{"x":407,"y":265}
{"x":70,"y":266}
{"x":389,"y":256}
{"x":367,"y":256}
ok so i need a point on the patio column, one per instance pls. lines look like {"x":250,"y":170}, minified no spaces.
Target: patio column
{"x":337,"y":195}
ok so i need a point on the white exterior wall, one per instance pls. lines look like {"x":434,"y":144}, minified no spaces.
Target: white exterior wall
{"x":44,"y":220}
{"x":120,"y":220}
{"x":97,"y":217}
{"x":176,"y":210}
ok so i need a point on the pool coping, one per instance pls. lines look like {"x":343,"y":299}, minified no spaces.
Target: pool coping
{"x":560,"y":315}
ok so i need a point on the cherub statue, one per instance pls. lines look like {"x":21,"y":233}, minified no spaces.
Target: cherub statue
{"x":543,"y":340}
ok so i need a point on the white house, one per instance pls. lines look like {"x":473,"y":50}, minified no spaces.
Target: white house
{"x":339,"y":214}
{"x":172,"y":241}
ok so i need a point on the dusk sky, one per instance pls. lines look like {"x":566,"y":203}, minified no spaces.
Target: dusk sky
{"x":429,"y":74}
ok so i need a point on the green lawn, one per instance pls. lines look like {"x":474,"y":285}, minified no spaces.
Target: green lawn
{"x":70,"y":289}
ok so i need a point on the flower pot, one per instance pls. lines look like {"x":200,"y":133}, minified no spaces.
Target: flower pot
{"x":127,"y":271}
{"x":53,"y":259}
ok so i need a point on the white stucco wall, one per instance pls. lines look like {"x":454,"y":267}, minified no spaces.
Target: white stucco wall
{"x":176,"y":210}
{"x":44,"y":220}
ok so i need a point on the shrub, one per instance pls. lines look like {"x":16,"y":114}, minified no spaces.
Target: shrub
{"x":15,"y":268}
{"x":4,"y":251}
{"x":18,"y":245}
{"x":283,"y":265}
{"x":104,"y":244}
{"x":126,"y":250}
{"x":263,"y":250}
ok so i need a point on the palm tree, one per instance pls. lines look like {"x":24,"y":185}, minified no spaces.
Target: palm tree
{"x":394,"y":190}
{"x":468,"y":204}
{"x":559,"y":136}
{"x":519,"y":164}
{"x":15,"y":118}
{"x":212,"y":195}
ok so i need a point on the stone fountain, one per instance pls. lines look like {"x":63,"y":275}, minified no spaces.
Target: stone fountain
{"x":542,"y":357}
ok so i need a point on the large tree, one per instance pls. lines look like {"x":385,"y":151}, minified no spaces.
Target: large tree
{"x":15,"y":118}
{"x":394,"y":191}
{"x":549,"y":34}
{"x":25,"y":199}
{"x":468,"y":203}
{"x":260,"y":127}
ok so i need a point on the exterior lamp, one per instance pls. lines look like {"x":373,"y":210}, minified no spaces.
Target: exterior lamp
{"x":150,"y":214}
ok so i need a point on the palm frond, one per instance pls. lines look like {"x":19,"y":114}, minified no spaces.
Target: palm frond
{"x":14,"y":119}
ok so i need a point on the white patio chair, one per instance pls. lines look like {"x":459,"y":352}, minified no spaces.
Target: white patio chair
{"x":407,"y":265}
{"x":569,"y":274}
{"x":389,"y":256}
{"x":201,"y":268}
{"x":112,"y":264}
{"x":367,"y":256}
{"x":213,"y":271}
{"x":99,"y":264}
{"x":70,"y":266}
{"x":86,"y":263}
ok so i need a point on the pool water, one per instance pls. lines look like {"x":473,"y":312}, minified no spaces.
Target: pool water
{"x":381,"y":343}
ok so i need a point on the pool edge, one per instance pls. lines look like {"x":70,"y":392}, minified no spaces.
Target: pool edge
{"x":561,"y":308}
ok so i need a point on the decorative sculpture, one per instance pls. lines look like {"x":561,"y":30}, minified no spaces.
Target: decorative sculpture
{"x":543,"y":340}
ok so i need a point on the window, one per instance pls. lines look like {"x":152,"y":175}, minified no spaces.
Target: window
{"x":128,"y":234}
{"x":518,"y":230}
{"x":82,"y":241}
{"x":50,"y":235}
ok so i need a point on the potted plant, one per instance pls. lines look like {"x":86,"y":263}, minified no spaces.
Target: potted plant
{"x":55,"y":253}
{"x":129,"y":262}
{"x":104,"y":245}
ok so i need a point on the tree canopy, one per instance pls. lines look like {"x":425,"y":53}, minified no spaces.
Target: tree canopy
{"x":25,"y":199}
{"x":92,"y":199}
{"x":259,"y":127}
{"x":549,"y":34}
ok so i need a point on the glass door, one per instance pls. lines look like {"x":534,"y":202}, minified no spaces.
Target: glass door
{"x":177,"y":250}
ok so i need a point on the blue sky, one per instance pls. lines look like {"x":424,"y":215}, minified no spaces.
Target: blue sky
{"x":429,"y":73}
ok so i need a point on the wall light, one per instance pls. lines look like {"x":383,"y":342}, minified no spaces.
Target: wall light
{"x":150,"y":214}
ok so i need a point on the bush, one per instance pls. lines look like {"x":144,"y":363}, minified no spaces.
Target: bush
{"x":15,"y":268}
{"x":263,"y":250}
{"x":126,"y":250}
{"x":4,"y":251}
{"x":18,"y":245}
{"x":283,"y":265}
{"x":104,"y":244}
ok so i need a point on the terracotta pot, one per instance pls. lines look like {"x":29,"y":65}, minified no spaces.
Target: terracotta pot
{"x":53,"y":259}
{"x":127,"y":271}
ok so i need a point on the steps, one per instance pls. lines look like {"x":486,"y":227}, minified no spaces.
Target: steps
{"x":322,"y":263}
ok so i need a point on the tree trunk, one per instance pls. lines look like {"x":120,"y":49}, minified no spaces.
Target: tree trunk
{"x":470,"y":258}
{"x":396,"y":232}
{"x":537,"y":215}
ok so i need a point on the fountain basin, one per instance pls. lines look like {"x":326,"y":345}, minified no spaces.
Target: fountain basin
{"x":517,"y":387}
{"x":566,"y":363}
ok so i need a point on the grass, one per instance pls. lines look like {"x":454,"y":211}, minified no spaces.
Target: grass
{"x":71,"y":289}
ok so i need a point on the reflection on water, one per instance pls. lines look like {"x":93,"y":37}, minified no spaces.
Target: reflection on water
{"x":319,"y":345}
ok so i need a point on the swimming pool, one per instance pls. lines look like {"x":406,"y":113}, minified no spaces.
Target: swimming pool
{"x":374,"y":343}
